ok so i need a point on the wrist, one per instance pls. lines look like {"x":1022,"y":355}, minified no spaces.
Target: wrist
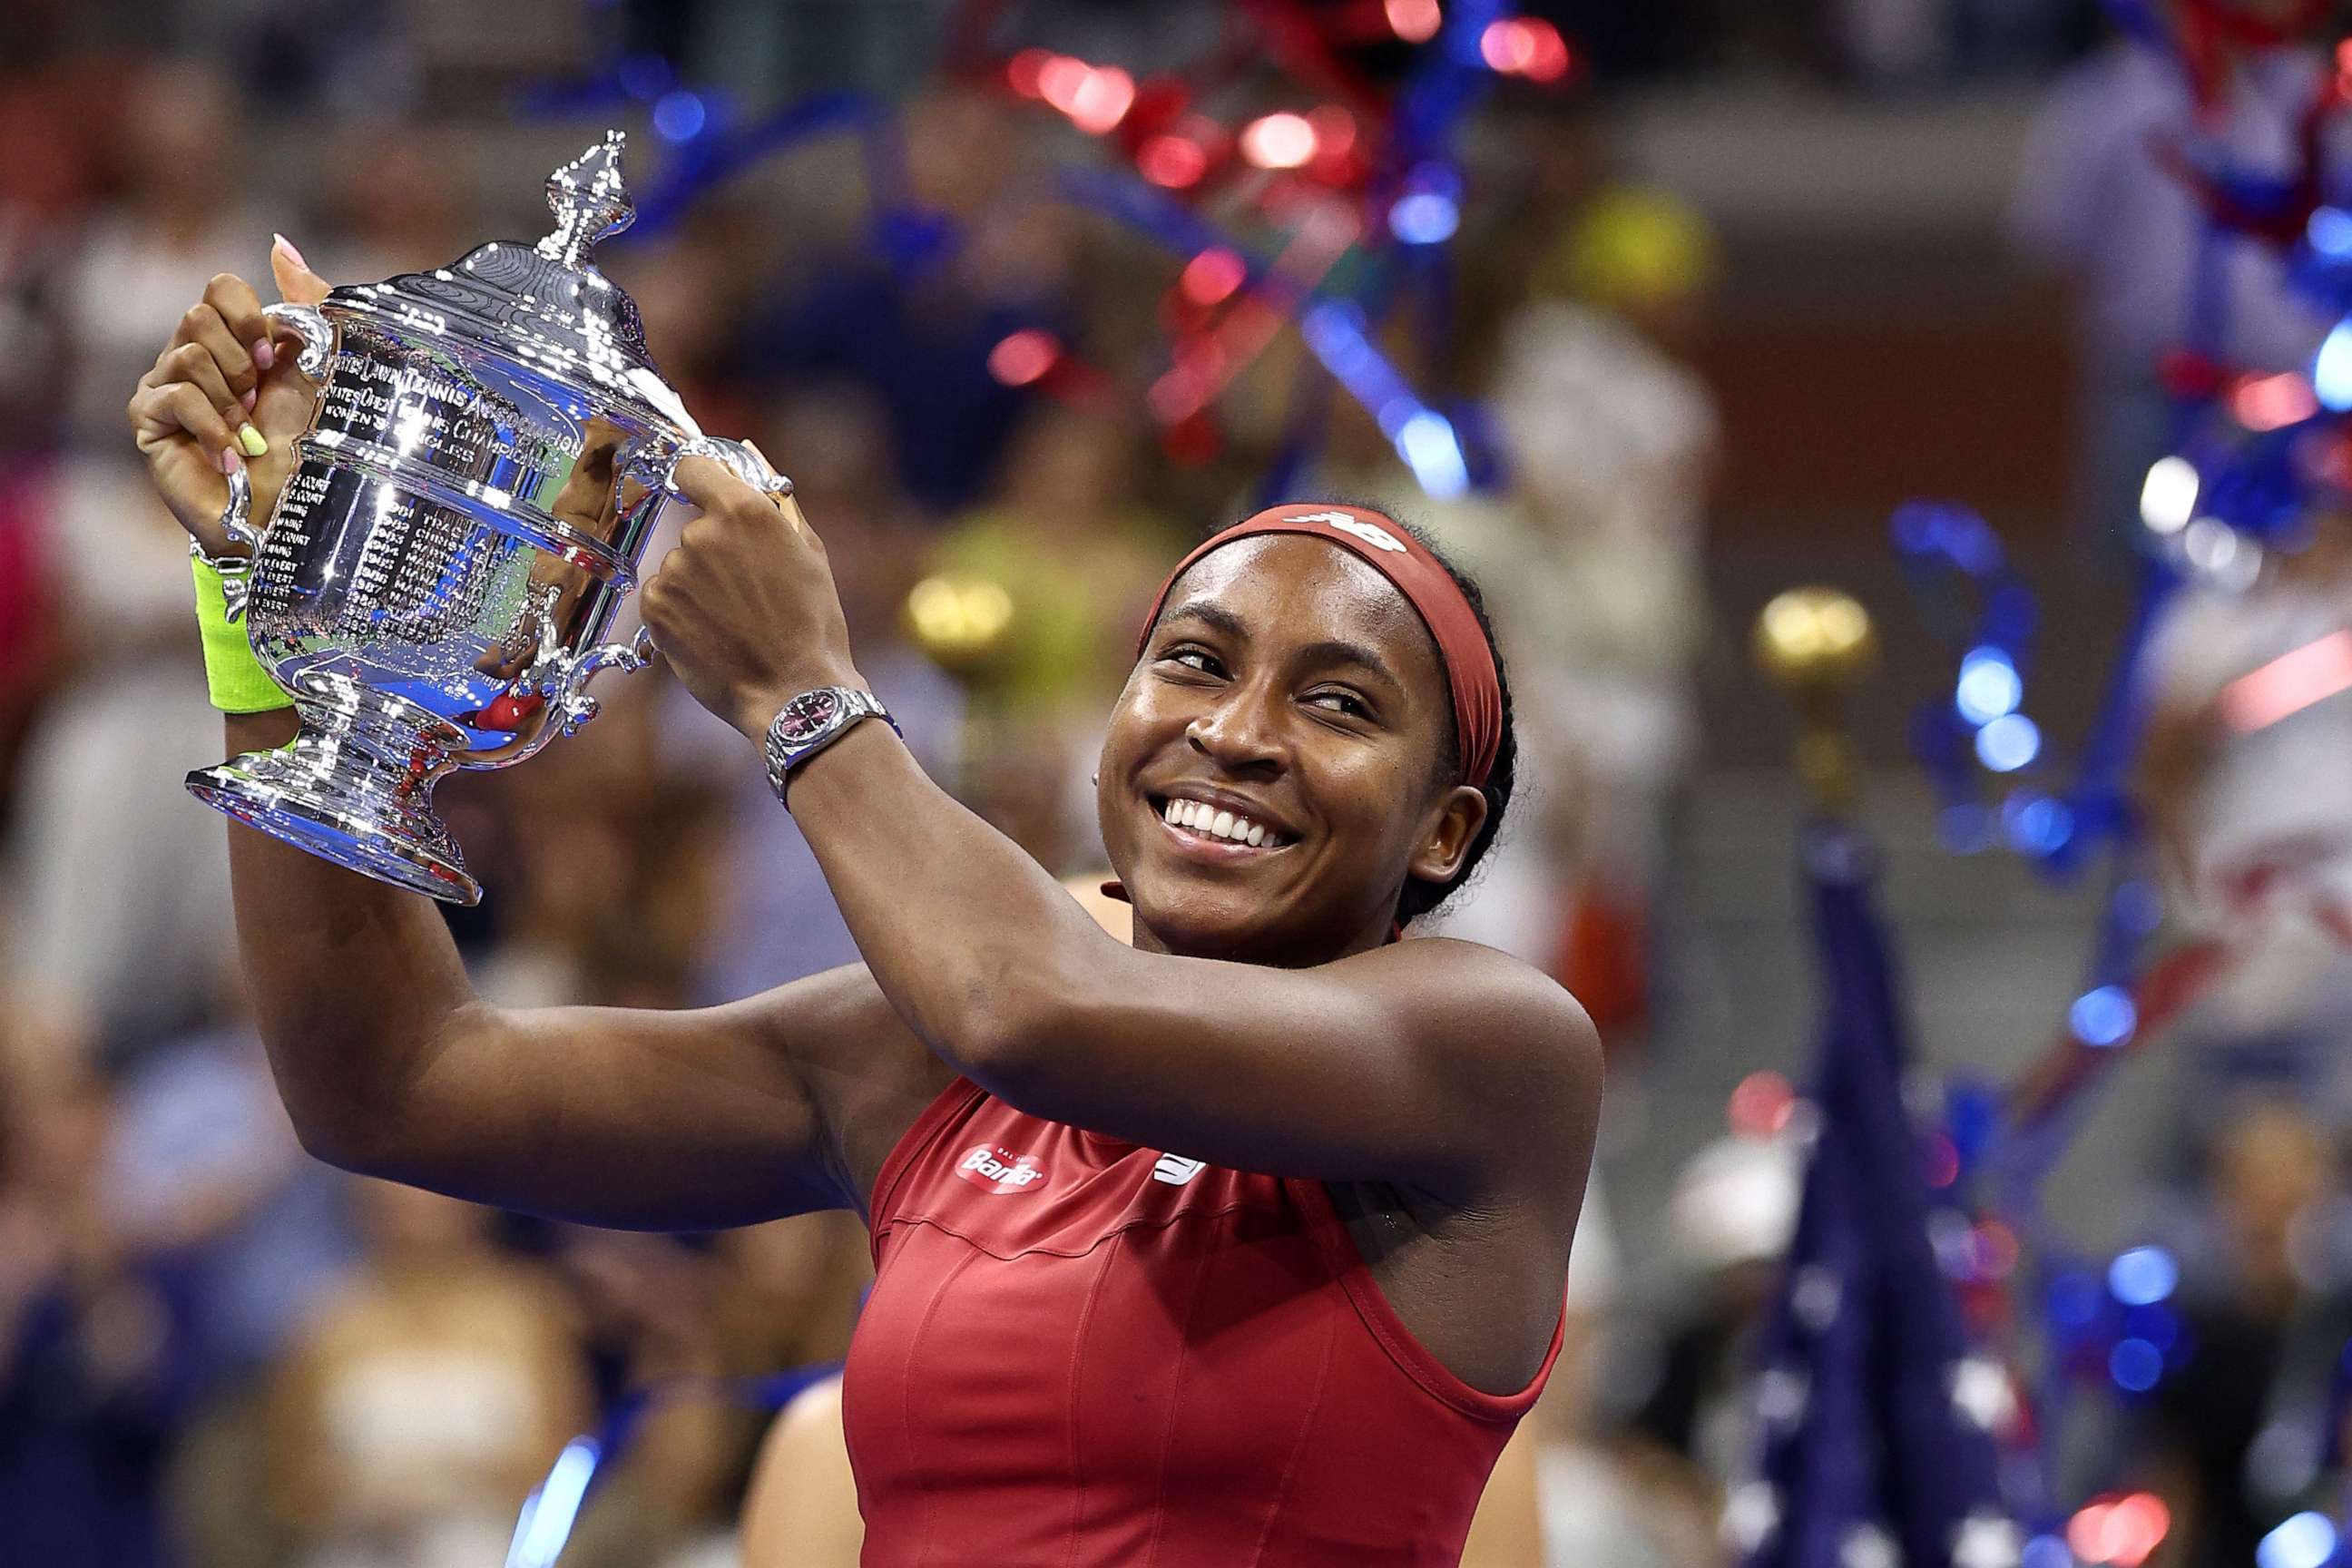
{"x":757,"y":707}
{"x":235,"y":678}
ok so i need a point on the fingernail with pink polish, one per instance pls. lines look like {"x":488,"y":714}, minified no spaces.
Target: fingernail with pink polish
{"x":264,"y":353}
{"x":292,"y":255}
{"x":230,"y":460}
{"x":250,"y":399}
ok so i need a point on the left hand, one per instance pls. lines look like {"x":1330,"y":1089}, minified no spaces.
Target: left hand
{"x":745,"y":609}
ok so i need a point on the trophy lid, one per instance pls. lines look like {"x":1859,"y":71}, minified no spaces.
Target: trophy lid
{"x":546,"y":306}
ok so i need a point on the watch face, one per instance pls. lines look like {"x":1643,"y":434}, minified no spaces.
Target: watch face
{"x":808,"y":714}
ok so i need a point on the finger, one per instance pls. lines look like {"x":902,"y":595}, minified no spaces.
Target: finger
{"x":195,"y":363}
{"x":713,"y":486}
{"x":241,"y":310}
{"x":159,"y":414}
{"x":204,"y":331}
{"x":297,"y":284}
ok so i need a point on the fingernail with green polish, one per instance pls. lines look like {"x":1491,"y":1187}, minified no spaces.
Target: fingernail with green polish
{"x":251,"y":440}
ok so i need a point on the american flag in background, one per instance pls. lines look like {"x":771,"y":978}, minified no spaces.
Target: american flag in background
{"x":1876,"y":1422}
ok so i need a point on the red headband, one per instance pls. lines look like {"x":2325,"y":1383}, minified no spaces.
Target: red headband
{"x":1422,"y":578}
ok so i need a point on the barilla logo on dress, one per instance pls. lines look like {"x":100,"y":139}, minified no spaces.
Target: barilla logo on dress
{"x":993,"y":1168}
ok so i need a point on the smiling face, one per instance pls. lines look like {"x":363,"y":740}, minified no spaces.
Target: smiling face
{"x":1290,"y":687}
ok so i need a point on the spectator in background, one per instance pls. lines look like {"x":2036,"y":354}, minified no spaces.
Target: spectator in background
{"x":1078,"y":559}
{"x":94,"y":1337}
{"x":1610,"y":442}
{"x":771,"y":917}
{"x":1733,"y":1213}
{"x":2094,"y":204}
{"x":2231,"y":1434}
{"x":2261,"y":866}
{"x":401,"y":208}
{"x":172,"y":216}
{"x":427,"y":1398}
{"x":43,"y":183}
{"x":947,"y":270}
{"x":202,"y":1167}
{"x":118,"y":882}
{"x":789,"y":1292}
{"x":697,"y":286}
{"x":649,"y":1304}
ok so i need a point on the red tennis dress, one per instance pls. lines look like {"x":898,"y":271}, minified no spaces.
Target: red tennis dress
{"x":1082,"y":1353}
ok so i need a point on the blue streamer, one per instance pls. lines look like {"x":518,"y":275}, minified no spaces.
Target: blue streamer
{"x":544,"y":1526}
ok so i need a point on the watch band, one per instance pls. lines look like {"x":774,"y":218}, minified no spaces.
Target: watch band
{"x":812,"y":722}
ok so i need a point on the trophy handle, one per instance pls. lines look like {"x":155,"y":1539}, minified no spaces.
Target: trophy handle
{"x":317,"y":335}
{"x":565,"y":684}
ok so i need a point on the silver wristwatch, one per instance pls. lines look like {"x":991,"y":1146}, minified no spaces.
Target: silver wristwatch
{"x":813,"y":720}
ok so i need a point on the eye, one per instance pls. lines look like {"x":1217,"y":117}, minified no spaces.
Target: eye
{"x":1345,"y":703}
{"x":1192,"y":658}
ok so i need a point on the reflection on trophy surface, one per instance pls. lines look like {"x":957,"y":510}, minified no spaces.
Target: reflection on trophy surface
{"x":489,"y":452}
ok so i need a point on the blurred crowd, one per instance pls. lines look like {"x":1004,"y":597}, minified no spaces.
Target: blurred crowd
{"x":214,"y":1351}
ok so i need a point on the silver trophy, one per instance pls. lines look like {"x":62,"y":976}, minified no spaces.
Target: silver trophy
{"x":490,"y":450}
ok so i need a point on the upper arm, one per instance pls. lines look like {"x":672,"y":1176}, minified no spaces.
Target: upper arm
{"x":644,"y":1119}
{"x":1440,"y":1063}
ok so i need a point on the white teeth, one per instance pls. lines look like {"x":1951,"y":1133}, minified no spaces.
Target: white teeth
{"x":1208,"y":820}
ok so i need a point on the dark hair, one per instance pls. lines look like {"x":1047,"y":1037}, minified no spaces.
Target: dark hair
{"x":1420,"y":895}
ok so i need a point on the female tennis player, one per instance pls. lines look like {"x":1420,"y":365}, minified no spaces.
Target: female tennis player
{"x":1245,"y":1244}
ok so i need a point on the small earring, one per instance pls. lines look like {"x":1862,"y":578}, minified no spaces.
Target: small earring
{"x":1097,"y":778}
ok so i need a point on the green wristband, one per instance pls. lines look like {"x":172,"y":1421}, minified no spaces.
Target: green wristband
{"x":239,"y":683}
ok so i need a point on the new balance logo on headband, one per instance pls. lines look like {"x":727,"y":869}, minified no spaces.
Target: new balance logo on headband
{"x":1371,"y":534}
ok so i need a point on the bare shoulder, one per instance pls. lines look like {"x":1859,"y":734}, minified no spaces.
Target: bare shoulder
{"x":1475,"y":993}
{"x":868,"y":1075}
{"x":1516,"y":1033}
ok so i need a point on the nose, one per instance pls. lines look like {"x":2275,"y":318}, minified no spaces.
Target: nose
{"x":1243,"y":730}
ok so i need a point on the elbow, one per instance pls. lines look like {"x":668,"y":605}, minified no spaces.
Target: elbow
{"x":329,"y":1144}
{"x":335,"y":1119}
{"x":335,"y":1134}
{"x":1008,"y":1037}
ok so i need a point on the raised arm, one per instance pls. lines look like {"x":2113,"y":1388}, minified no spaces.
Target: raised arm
{"x":388,"y":1062}
{"x":390,"y":1065}
{"x":1441,"y":1063}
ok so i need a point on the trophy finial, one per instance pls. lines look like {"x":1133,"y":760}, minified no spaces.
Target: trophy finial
{"x":590,"y":201}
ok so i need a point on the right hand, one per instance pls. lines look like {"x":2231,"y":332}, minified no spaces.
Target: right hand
{"x":228,"y":367}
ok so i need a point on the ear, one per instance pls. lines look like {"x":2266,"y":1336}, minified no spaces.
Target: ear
{"x":1450,"y":827}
